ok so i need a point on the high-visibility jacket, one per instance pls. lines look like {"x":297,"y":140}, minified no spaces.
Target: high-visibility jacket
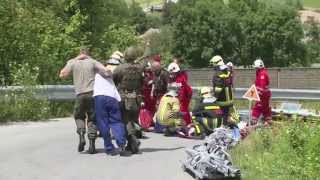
{"x":222,"y":86}
{"x":168,"y":105}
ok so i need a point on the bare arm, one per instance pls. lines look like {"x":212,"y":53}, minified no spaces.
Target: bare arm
{"x":65,"y":72}
{"x":102,"y":70}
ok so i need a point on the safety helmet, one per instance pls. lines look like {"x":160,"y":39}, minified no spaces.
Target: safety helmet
{"x":216,"y":61}
{"x":171,"y":92}
{"x":258,"y":63}
{"x":116,"y":55}
{"x":205,"y":92}
{"x":173,"y":68}
{"x":132,"y":53}
{"x":230,"y":64}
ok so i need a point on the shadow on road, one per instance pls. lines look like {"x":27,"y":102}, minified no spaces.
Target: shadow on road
{"x":159,"y":149}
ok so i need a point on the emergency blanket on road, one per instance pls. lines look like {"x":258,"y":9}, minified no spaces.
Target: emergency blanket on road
{"x":211,"y":159}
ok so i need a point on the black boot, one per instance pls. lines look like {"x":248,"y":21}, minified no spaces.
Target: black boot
{"x":123,"y":152}
{"x":82,"y":142}
{"x":134,"y":144}
{"x":92,"y":147}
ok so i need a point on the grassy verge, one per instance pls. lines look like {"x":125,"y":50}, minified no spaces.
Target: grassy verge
{"x":288,"y":151}
{"x":311,"y":3}
{"x":34,"y":110}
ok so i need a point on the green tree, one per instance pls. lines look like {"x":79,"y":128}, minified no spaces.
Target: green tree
{"x":240,"y":31}
{"x":313,"y":41}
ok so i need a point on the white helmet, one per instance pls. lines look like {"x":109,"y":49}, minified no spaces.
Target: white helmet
{"x":230,"y":64}
{"x":258,"y":63}
{"x":117,"y":55}
{"x":173,"y":68}
{"x":216,"y":61}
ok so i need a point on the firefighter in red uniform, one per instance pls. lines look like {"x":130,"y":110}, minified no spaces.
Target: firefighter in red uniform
{"x":262,"y":84}
{"x":180,"y":79}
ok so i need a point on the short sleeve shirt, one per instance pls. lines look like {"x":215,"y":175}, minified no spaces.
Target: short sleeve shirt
{"x":83,"y":71}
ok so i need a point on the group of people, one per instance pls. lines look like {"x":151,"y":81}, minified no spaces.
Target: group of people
{"x":109,"y":96}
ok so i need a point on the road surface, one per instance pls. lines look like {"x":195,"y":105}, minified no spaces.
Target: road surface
{"x":48,"y":151}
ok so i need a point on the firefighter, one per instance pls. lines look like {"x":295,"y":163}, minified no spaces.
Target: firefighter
{"x":262,"y":84}
{"x":222,"y":87}
{"x":180,"y":79}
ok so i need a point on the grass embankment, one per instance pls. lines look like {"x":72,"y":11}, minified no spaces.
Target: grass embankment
{"x":34,"y":110}
{"x":288,"y":151}
{"x":311,"y":3}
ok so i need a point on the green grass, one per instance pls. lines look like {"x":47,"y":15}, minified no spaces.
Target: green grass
{"x":289,"y":151}
{"x":311,"y":3}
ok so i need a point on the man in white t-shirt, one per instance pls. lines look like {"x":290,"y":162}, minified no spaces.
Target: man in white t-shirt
{"x":108,"y":114}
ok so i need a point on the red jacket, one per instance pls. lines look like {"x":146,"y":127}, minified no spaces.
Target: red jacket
{"x":184,"y":95}
{"x":185,"y":91}
{"x":262,"y":80}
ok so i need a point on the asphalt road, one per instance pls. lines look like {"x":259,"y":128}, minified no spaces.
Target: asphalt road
{"x":48,"y":150}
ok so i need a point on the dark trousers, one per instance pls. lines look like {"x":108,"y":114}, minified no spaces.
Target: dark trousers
{"x":130,"y":118}
{"x":108,"y":115}
{"x":84,"y":109}
{"x":225,"y":111}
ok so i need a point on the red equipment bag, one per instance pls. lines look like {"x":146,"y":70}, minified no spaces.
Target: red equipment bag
{"x":145,"y":119}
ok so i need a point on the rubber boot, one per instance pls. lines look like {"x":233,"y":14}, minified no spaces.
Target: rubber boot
{"x":133,"y":144}
{"x":123,"y":152}
{"x":82,"y":142}
{"x":92,"y":147}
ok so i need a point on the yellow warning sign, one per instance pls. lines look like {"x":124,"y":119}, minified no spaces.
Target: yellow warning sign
{"x":252,"y":94}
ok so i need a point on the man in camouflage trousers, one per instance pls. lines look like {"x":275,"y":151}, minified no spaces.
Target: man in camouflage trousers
{"x":83,"y":69}
{"x":129,"y":79}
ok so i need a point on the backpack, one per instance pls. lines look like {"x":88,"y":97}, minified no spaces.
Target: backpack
{"x":145,"y":119}
{"x":132,"y":78}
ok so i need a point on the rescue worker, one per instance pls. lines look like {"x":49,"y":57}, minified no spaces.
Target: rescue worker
{"x":222,"y":86}
{"x":129,"y":80}
{"x":83,"y":69}
{"x":168,"y":115}
{"x":262,"y":84}
{"x":148,"y":100}
{"x":160,"y":81}
{"x":180,"y":79}
{"x":206,"y":112}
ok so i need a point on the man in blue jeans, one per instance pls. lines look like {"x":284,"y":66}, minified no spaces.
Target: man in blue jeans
{"x":108,"y":115}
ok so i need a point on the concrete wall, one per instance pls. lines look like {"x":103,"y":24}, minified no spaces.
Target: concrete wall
{"x":283,"y":78}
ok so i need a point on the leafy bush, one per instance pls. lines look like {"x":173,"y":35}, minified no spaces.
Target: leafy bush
{"x":21,"y":104}
{"x":289,"y":151}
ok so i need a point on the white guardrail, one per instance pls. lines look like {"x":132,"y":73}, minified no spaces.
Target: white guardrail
{"x":66,"y":92}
